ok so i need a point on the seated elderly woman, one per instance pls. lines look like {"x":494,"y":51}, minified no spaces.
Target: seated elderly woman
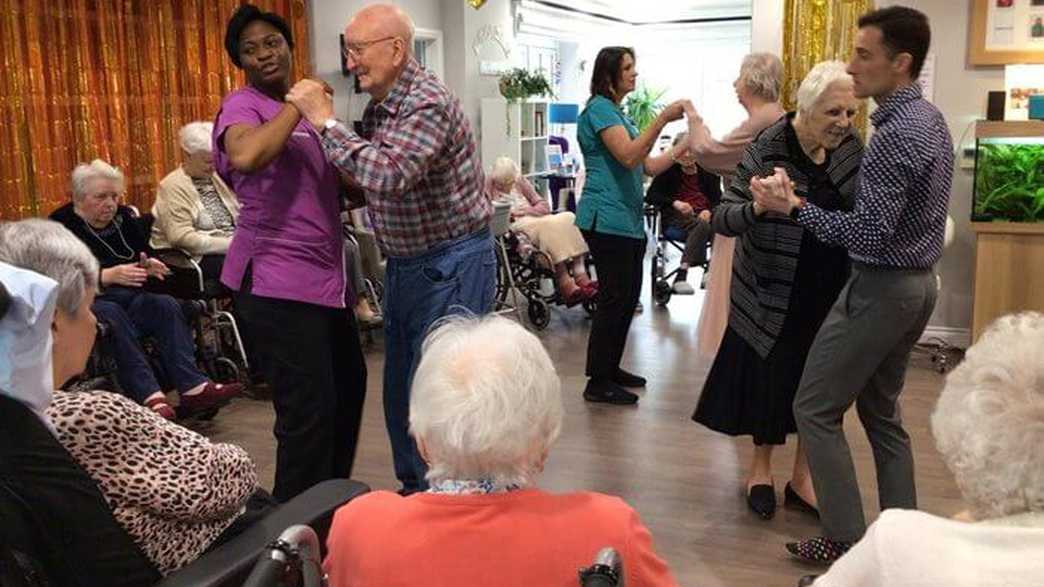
{"x":195,"y":211}
{"x":120,"y":244}
{"x":172,"y":491}
{"x":989,"y":428}
{"x":685,"y":195}
{"x":485,"y":409}
{"x":554,"y":234}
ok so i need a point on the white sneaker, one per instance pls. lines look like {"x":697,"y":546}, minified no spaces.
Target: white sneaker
{"x":682,"y":288}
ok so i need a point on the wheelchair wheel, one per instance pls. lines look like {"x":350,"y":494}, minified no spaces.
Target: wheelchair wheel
{"x":662,"y":293}
{"x":539,"y":314}
{"x":225,"y":370}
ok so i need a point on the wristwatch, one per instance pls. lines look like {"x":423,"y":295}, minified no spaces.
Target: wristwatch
{"x":328,"y":124}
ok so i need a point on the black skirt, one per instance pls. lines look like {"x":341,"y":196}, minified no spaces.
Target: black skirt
{"x":747,"y":395}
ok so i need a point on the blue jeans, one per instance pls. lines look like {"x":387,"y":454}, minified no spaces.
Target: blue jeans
{"x":132,"y":314}
{"x":458,"y":276}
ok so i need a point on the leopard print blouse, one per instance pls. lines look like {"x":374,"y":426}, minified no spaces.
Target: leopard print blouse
{"x":171,"y":489}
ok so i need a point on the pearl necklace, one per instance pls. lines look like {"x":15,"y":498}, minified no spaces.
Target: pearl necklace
{"x":106,"y":245}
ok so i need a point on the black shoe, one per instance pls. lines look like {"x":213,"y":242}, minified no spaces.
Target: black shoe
{"x":819,"y":550}
{"x":794,"y":501}
{"x":761,"y":499}
{"x":607,"y":392}
{"x":625,"y":379}
{"x":406,"y":492}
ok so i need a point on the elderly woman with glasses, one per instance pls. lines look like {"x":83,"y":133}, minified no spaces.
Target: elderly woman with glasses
{"x":485,"y":409}
{"x":784,"y":280}
{"x":989,"y":428}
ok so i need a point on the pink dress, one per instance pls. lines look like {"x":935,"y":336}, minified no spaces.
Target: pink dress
{"x":721,"y":157}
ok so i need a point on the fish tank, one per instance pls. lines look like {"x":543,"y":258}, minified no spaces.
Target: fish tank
{"x":1009,"y":174}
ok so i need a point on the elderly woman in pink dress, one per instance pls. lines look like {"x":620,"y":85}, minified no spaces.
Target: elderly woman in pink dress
{"x":757,"y":89}
{"x":553,"y":234}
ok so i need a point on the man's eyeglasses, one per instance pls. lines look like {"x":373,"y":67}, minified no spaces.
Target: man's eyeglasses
{"x":355,"y":50}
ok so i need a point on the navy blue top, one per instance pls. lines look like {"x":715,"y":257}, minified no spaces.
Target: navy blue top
{"x":903,"y":192}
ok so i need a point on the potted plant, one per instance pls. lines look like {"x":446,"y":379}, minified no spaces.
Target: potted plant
{"x":643,"y":105}
{"x":519,"y":84}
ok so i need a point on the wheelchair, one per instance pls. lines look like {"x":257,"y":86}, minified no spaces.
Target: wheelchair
{"x":533,"y":276}
{"x":665,"y":239}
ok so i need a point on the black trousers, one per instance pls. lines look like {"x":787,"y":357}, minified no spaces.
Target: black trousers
{"x":311,"y":357}
{"x":618,"y":261}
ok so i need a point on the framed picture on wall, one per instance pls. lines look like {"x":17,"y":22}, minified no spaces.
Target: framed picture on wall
{"x":1003,"y":32}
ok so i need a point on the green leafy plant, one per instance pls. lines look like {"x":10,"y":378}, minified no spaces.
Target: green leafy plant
{"x":1009,"y":183}
{"x":518,"y":84}
{"x":643,"y":105}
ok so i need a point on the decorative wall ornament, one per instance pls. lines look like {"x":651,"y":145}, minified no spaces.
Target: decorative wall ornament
{"x":476,"y":4}
{"x":490,"y":34}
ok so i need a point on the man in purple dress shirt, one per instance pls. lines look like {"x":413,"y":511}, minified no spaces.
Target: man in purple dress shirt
{"x":420,"y":173}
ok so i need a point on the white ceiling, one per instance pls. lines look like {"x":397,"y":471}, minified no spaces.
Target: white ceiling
{"x":662,"y":10}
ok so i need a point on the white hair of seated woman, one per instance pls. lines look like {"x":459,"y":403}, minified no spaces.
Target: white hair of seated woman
{"x":195,"y":137}
{"x":85,"y":173}
{"x":989,"y":422}
{"x":486,"y":401}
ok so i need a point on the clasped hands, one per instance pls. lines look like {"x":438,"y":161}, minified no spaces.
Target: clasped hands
{"x":135,"y":274}
{"x":774,"y":193}
{"x":313,"y":99}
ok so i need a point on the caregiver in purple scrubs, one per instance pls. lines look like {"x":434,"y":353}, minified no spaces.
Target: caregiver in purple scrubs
{"x":286,"y":260}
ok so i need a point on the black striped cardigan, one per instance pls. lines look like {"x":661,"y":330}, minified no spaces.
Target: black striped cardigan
{"x":768,"y":246}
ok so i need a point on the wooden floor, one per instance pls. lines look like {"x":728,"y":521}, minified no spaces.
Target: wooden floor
{"x":683,"y":479}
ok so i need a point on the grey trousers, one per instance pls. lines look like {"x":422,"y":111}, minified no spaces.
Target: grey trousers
{"x":860,"y":356}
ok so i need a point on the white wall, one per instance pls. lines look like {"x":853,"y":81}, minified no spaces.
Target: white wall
{"x":960,"y":93}
{"x":766,"y":30}
{"x":327,"y":19}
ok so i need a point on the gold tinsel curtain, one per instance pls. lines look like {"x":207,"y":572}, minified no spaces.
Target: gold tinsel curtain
{"x":111,"y":79}
{"x":814,"y":31}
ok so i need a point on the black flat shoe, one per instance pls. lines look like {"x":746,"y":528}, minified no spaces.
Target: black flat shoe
{"x":792,"y":500}
{"x":761,"y":499}
{"x":607,"y":392}
{"x":819,"y":550}
{"x":625,"y":379}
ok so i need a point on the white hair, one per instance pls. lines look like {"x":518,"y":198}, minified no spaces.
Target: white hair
{"x":817,"y":81}
{"x":87,"y":172}
{"x":989,"y":421}
{"x":486,"y":401}
{"x":48,"y":248}
{"x":762,"y":74}
{"x":195,"y":137}
{"x":504,"y":170}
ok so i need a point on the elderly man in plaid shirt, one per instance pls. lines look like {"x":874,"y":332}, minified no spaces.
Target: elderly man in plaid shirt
{"x":418,"y":168}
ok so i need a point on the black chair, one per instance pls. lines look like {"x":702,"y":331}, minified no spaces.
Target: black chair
{"x":43,"y":489}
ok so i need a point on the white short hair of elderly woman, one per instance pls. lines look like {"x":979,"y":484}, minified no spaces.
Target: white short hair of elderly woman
{"x":195,"y":137}
{"x":762,"y":74}
{"x":818,"y":80}
{"x":989,"y":422}
{"x":48,"y":248}
{"x":85,"y":173}
{"x":486,"y":401}
{"x":504,"y":171}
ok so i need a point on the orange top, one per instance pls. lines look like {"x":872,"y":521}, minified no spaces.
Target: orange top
{"x":525,"y":538}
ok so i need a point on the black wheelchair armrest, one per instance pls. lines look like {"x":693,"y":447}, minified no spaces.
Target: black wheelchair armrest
{"x":184,"y":267}
{"x":231,"y":562}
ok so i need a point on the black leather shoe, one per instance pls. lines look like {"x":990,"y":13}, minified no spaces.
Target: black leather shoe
{"x":625,"y":379}
{"x":794,"y":501}
{"x":761,"y":499}
{"x":607,"y":392}
{"x":807,"y":580}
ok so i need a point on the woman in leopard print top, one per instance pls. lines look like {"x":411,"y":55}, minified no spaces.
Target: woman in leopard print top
{"x":172,"y":490}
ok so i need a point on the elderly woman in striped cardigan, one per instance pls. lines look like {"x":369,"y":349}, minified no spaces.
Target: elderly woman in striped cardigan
{"x":784,"y":280}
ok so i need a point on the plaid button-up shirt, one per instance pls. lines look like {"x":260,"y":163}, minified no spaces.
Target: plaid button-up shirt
{"x":417,"y":164}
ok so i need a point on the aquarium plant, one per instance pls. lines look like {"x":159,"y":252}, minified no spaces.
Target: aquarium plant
{"x":1009,"y":182}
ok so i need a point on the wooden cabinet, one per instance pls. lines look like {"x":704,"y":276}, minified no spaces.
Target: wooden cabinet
{"x":1009,"y":271}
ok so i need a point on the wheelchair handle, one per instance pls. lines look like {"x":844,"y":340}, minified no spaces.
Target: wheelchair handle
{"x":297,"y":545}
{"x":607,"y":570}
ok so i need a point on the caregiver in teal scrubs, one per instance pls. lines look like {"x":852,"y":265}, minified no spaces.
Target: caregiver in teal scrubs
{"x":610,"y":215}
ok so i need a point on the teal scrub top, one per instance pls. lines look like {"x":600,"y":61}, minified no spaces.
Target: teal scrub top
{"x":611,"y":201}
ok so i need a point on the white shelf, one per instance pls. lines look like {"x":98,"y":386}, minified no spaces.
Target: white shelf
{"x":543,"y":138}
{"x":518,"y":130}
